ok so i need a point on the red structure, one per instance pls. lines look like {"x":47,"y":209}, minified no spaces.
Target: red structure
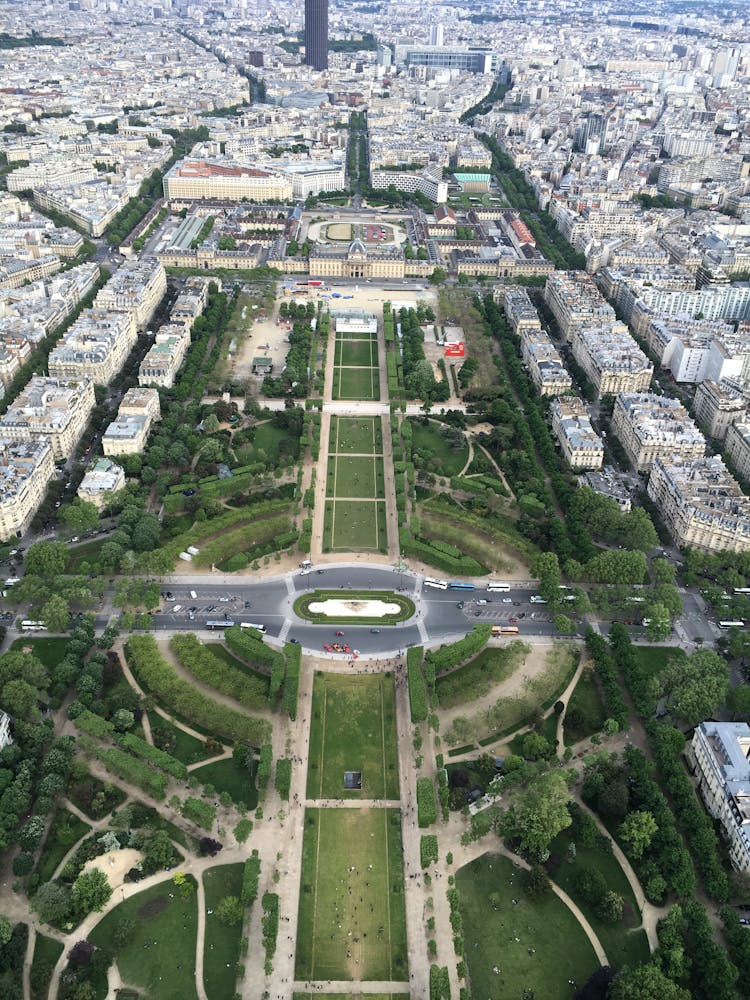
{"x":455,"y":349}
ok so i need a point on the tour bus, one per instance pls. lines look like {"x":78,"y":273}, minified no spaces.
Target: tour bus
{"x":258,"y":628}
{"x":505,"y":629}
{"x":737,"y":624}
{"x":498,"y":587}
{"x":221,"y":623}
{"x":430,"y":581}
{"x":30,"y":626}
{"x":457,"y":585}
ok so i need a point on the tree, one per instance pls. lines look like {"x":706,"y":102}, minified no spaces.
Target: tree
{"x":230,"y":911}
{"x":51,"y":902}
{"x":19,"y":699}
{"x":158,"y":850}
{"x":546,"y":567}
{"x":79,"y":516}
{"x":738,"y":702}
{"x":91,"y":891}
{"x":647,"y":982}
{"x":6,"y":929}
{"x":637,"y":831}
{"x":697,"y":686}
{"x":56,"y":614}
{"x":538,"y":814}
{"x":123,"y":719}
{"x":47,"y":559}
{"x":659,"y":622}
{"x":610,"y":907}
{"x":438,"y":276}
{"x":564,"y":625}
{"x":81,"y":953}
{"x":208,"y":845}
{"x":662,"y":571}
{"x":31,"y":833}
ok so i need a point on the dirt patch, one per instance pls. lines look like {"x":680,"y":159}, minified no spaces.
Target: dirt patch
{"x":115,"y":864}
{"x":153,"y":908}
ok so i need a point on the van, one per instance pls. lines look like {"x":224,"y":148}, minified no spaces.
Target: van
{"x":176,"y":608}
{"x":193,"y":595}
{"x":482,"y":601}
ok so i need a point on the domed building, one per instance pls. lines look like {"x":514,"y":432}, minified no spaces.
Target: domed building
{"x":357,"y":261}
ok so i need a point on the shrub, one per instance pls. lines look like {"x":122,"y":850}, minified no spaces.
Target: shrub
{"x":135,"y":771}
{"x":451,"y":655}
{"x":426,"y":805}
{"x":293,"y":653}
{"x":417,"y":691}
{"x":198,"y":812}
{"x":440,"y":984}
{"x":159,"y":758}
{"x":248,"y":644}
{"x":270,"y":922}
{"x":250,"y":879}
{"x":264,"y":768}
{"x":283,"y":776}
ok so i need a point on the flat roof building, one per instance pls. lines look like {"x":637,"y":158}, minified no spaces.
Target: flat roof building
{"x":56,"y":409}
{"x":101,"y":481}
{"x":649,"y":426}
{"x":26,"y":468}
{"x":549,"y":375}
{"x":96,"y":346}
{"x":581,"y":445}
{"x":138,"y":287}
{"x":718,"y":405}
{"x":612,"y":360}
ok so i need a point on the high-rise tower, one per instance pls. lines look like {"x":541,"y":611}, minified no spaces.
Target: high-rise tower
{"x":316,"y":33}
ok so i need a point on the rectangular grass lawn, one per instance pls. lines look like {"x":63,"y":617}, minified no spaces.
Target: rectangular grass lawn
{"x":352,"y":525}
{"x":356,"y":436}
{"x":352,"y":921}
{"x":230,"y":776}
{"x":355,"y":476}
{"x":221,"y":947}
{"x":160,"y":957}
{"x":357,"y":353}
{"x":535,"y":945}
{"x":356,"y":383}
{"x":353,"y":729}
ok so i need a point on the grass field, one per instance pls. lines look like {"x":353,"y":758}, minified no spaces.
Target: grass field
{"x":221,"y":948}
{"x":354,"y":525}
{"x":353,"y":729}
{"x":534,"y":945}
{"x":339,"y":231}
{"x":476,"y":678}
{"x":160,"y":957}
{"x":352,"y":921}
{"x":356,"y":383}
{"x":355,"y":371}
{"x":229,"y":776}
{"x":355,"y":436}
{"x":176,"y":741}
{"x":358,"y":995}
{"x":428,"y":441}
{"x":49,"y":651}
{"x":46,"y":953}
{"x":356,"y":353}
{"x":585,"y":713}
{"x":355,"y":476}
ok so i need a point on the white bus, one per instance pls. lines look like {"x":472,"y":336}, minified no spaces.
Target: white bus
{"x":430,"y":581}
{"x":258,"y":628}
{"x":497,"y":587}
{"x":30,"y":626}
{"x":737,"y":624}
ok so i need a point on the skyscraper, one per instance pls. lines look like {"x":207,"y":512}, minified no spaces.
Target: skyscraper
{"x":316,"y":33}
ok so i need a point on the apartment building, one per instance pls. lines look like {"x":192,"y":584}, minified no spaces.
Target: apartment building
{"x":198,"y":180}
{"x":701,"y":504}
{"x":26,"y":468}
{"x":575,"y":301}
{"x":737,"y":449}
{"x":520,"y":311}
{"x":96,"y":346}
{"x":164,"y":359}
{"x":428,"y":181}
{"x":610,"y":483}
{"x":683,"y":345}
{"x":719,"y":757}
{"x":128,"y":433}
{"x":718,"y":405}
{"x":100,"y":482}
{"x":56,"y":409}
{"x":581,"y":445}
{"x":714,"y":302}
{"x":612,"y":360}
{"x":649,"y":426}
{"x":545,"y":365}
{"x":15,"y":272}
{"x":138,"y":400}
{"x":138,"y":287}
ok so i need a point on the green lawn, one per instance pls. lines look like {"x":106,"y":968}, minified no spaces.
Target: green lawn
{"x":46,"y":953}
{"x":585,"y":713}
{"x":624,"y":942}
{"x":355,"y":436}
{"x":356,"y":353}
{"x":49,"y":651}
{"x":357,"y":476}
{"x":160,"y":957}
{"x":267,"y":438}
{"x":354,"y":525}
{"x":359,"y":996}
{"x":435,"y":450}
{"x":65,"y":830}
{"x":176,"y":741}
{"x":537,"y":946}
{"x":229,"y":776}
{"x":356,"y":383}
{"x":353,"y":729}
{"x":349,"y":335}
{"x":352,"y":922}
{"x":476,"y":678}
{"x":221,"y":948}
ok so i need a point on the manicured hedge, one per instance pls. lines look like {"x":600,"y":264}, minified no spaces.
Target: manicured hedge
{"x":419,"y":548}
{"x":426,"y":805}
{"x":157,"y":676}
{"x":248,"y":644}
{"x":250,"y":879}
{"x":606,"y":671}
{"x":417,"y":691}
{"x":440,"y":984}
{"x":135,"y":771}
{"x":293,"y":653}
{"x":263,"y":773}
{"x":283,"y":776}
{"x":198,"y":812}
{"x":159,"y":758}
{"x":278,"y":672}
{"x":94,"y":725}
{"x":250,"y":691}
{"x":450,"y":656}
{"x":270,"y":922}
{"x":428,"y":849}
